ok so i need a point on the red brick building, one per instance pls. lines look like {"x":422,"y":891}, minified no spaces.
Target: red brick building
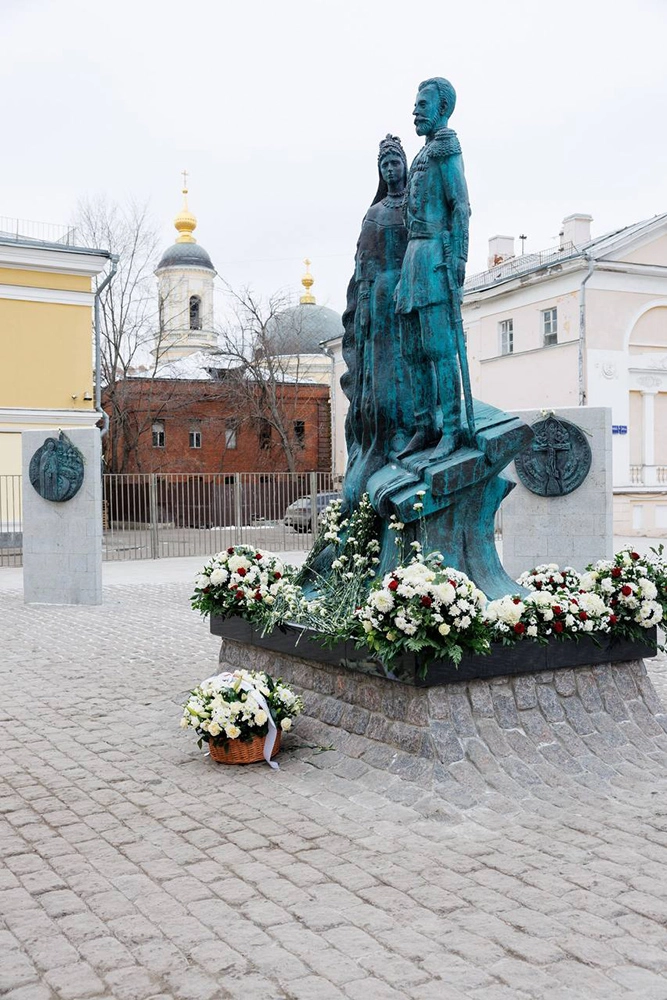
{"x":195,"y":426}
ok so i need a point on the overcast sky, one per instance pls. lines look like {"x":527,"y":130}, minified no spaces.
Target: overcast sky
{"x":276,"y":108}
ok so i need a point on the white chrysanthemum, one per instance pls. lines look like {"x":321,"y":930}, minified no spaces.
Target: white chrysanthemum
{"x":592,"y":604}
{"x":648,"y":589}
{"x":237,"y":562}
{"x":383,"y":600}
{"x":219,"y":576}
{"x":444,"y":592}
{"x":588,"y":581}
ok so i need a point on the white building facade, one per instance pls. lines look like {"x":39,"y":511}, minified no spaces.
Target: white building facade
{"x":584,"y":324}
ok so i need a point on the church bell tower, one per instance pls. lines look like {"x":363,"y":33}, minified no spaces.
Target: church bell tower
{"x":185,"y":288}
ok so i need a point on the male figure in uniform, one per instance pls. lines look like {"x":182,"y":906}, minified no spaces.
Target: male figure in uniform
{"x":428,"y":294}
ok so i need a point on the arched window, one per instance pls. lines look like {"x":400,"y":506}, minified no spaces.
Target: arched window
{"x":195,"y":312}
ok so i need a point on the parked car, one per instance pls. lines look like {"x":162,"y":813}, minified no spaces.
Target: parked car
{"x":299,"y":514}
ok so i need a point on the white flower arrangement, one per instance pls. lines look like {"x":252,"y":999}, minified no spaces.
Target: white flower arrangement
{"x":424,"y":606}
{"x":628,"y":581}
{"x":240,"y":580}
{"x":550,"y":577}
{"x":234,"y":707}
{"x":541,"y":614}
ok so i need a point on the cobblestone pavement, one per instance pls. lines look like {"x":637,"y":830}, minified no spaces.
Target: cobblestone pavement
{"x":135,"y":868}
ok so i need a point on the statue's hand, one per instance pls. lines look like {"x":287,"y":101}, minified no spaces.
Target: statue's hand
{"x":460,"y":271}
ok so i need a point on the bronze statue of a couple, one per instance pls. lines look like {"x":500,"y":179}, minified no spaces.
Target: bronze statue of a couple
{"x":404,"y":345}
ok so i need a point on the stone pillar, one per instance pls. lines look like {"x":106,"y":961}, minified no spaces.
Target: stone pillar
{"x":572,"y":530}
{"x":62,"y":542}
{"x":648,"y":440}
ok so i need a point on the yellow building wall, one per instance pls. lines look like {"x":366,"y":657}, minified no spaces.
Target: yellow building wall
{"x":44,"y":279}
{"x":45,"y":355}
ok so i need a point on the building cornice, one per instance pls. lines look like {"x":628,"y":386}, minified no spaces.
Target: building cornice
{"x":49,"y":418}
{"x":532,"y":350}
{"x":57,"y":296}
{"x":68,"y":260}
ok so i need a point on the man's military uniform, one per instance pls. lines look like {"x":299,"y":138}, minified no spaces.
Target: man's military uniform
{"x":428,"y":298}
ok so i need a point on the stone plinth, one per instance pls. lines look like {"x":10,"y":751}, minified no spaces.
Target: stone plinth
{"x":588,"y":728}
{"x":62,"y":542}
{"x":571,"y":530}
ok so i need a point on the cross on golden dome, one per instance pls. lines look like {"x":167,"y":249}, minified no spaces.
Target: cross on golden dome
{"x":185,"y":222}
{"x":307,"y":281}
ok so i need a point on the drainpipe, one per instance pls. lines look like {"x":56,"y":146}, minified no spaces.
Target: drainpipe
{"x":582,"y":330}
{"x":98,"y":349}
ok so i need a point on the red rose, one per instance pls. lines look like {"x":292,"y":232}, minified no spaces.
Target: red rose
{"x":258,"y":555}
{"x":557,"y":610}
{"x":634,"y":555}
{"x":258,"y":596}
{"x":551,"y":579}
{"x":277,"y":575}
{"x":393,"y":585}
{"x":538,"y":585}
{"x":519,"y":628}
{"x":612,"y":619}
{"x":583,"y":616}
{"x":516,"y":600}
{"x":616,"y":572}
{"x":239,"y":595}
{"x":230,"y":551}
{"x":426,"y":601}
{"x":626,"y":591}
{"x":453,"y":583}
{"x":241,"y":571}
{"x":558,"y":626}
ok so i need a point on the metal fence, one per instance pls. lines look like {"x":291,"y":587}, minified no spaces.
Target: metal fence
{"x":11,"y":534}
{"x":163,"y":515}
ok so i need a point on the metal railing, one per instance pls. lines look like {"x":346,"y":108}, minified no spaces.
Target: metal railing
{"x":160,"y":515}
{"x":11,"y":529}
{"x":513,"y":267}
{"x":36,"y":232}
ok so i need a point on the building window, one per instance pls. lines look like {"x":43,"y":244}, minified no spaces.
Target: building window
{"x":195,"y":439}
{"x":195,"y":312}
{"x":549,"y":327}
{"x":300,"y":433}
{"x":264,"y":434}
{"x":158,"y":434}
{"x":230,"y":434}
{"x":506,"y":336}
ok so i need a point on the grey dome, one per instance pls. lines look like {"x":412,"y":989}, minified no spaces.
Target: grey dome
{"x":301,"y":329}
{"x":185,"y":255}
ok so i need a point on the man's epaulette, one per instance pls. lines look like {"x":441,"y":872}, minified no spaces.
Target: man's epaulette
{"x":444,"y":143}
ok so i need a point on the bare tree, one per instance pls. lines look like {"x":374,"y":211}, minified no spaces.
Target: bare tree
{"x":131,"y":329}
{"x":267,"y":374}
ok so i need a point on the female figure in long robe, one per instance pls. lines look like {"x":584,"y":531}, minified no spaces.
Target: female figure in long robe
{"x":380,"y":417}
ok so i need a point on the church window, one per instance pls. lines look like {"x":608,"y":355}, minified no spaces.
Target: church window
{"x":230,"y":434}
{"x":195,"y":312}
{"x":195,"y":439}
{"x":506,"y":336}
{"x":300,"y":433}
{"x":158,"y":434}
{"x":549,"y":327}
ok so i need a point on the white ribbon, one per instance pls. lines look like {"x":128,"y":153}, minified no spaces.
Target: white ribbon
{"x":225,"y":679}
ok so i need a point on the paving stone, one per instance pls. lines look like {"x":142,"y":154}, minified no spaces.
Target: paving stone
{"x":137,"y":869}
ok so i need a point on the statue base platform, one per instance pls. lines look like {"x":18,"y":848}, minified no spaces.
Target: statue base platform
{"x":524,"y":741}
{"x":525,"y":656}
{"x":450,"y":503}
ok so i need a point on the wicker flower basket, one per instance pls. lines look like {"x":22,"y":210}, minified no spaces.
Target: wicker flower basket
{"x":242,"y":752}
